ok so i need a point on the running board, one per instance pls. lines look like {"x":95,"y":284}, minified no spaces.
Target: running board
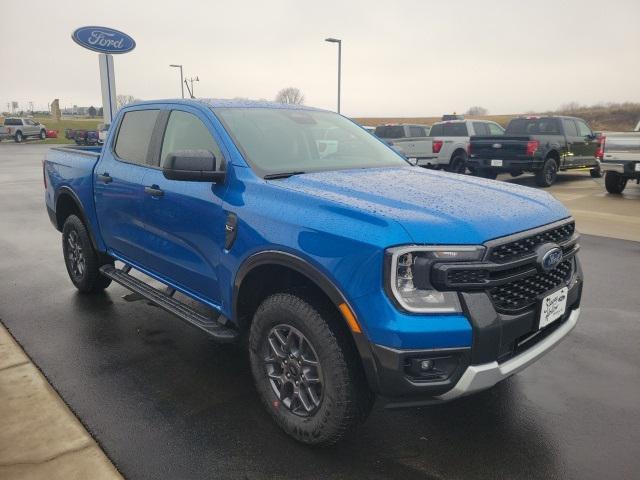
{"x":170,"y":304}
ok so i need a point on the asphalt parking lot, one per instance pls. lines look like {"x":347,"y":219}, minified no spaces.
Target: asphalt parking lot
{"x":163,"y":401}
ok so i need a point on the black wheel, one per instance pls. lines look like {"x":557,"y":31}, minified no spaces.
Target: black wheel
{"x":458,"y":164}
{"x":614,"y":182}
{"x":306,"y":370}
{"x":43,"y":134}
{"x":546,"y":176}
{"x":487,"y":173}
{"x":595,"y":172}
{"x":19,"y":138}
{"x":82,"y":261}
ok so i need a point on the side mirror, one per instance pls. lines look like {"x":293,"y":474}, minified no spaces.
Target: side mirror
{"x":192,"y":166}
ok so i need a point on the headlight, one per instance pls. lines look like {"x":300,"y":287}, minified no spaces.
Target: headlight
{"x":408,"y":273}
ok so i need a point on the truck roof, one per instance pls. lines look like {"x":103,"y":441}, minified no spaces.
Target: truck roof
{"x":228,"y":103}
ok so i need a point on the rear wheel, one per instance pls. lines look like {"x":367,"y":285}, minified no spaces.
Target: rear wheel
{"x":19,"y":138}
{"x":81,"y":259}
{"x":546,"y":176}
{"x":306,"y":371}
{"x":595,"y":172}
{"x":614,"y":182}
{"x":458,"y":164}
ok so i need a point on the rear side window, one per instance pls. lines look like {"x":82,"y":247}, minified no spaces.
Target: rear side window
{"x":481,"y":128}
{"x":455,"y":130}
{"x":390,"y":131}
{"x":495,"y":129}
{"x":12,"y":122}
{"x":186,"y":132}
{"x":134,"y":135}
{"x":583,"y":129}
{"x":570,"y":129}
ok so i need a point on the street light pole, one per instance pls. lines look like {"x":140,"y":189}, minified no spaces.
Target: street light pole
{"x":181,"y":78}
{"x":339,"y":42}
{"x":191,"y":80}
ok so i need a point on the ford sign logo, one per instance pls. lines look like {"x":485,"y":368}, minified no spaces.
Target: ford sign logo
{"x":497,"y":145}
{"x":103,"y":40}
{"x":549,"y":256}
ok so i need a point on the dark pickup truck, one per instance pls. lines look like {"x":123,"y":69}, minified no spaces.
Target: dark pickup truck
{"x":541,"y":145}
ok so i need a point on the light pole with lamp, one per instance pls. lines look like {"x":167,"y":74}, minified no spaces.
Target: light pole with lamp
{"x":181,"y":77}
{"x":339,"y":42}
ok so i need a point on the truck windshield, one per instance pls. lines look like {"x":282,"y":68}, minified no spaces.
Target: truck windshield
{"x":276,"y":141}
{"x":533,"y":126}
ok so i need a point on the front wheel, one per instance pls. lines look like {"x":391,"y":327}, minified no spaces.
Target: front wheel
{"x":81,"y":259}
{"x":546,"y":176}
{"x":306,"y":370}
{"x":458,"y":164}
{"x":615,"y":183}
{"x":43,"y":134}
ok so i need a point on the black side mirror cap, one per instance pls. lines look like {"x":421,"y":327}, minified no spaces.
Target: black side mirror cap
{"x":192,"y":166}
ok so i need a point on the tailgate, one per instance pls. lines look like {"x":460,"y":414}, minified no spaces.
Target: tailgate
{"x":499,"y":146}
{"x":621,"y":147}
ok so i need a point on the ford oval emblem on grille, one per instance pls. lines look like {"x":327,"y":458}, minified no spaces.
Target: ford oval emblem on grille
{"x":549,"y":256}
{"x":497,"y":145}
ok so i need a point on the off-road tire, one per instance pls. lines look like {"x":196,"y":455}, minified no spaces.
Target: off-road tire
{"x":615,"y":183}
{"x":546,"y":176}
{"x":346,"y":399}
{"x":88,"y":279}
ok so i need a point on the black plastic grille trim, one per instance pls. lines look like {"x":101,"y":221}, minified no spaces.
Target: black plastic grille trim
{"x":522,"y":247}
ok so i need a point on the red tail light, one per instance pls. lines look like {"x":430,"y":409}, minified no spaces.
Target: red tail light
{"x":600,"y":151}
{"x":532,"y":146}
{"x":436,"y":146}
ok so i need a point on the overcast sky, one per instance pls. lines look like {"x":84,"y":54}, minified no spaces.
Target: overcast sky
{"x":400,"y":58}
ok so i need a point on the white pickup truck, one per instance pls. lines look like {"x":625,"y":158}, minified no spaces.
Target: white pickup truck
{"x":20,"y":128}
{"x":447,"y":144}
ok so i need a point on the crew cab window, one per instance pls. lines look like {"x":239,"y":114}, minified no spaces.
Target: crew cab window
{"x":12,"y":122}
{"x":583,"y":129}
{"x":480,"y":128}
{"x":29,"y":122}
{"x":436,"y":131}
{"x":455,"y":130}
{"x":533,"y":126}
{"x":417,"y":132}
{"x":134,"y":135}
{"x":495,"y":129}
{"x":187,"y":132}
{"x":570,"y":129}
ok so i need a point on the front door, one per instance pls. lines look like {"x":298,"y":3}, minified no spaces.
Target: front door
{"x":588,"y":144}
{"x":118,"y":187}
{"x":184,"y":221}
{"x":574,"y":143}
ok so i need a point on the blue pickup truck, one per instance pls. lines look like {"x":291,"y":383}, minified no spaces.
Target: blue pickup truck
{"x":349,"y":273}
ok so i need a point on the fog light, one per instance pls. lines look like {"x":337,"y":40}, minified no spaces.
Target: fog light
{"x":426,"y":365}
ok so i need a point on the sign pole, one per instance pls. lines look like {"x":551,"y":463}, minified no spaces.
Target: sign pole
{"x":108,"y":83}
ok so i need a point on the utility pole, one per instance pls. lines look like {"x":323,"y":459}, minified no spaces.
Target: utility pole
{"x":181,"y":77}
{"x":339,"y":42}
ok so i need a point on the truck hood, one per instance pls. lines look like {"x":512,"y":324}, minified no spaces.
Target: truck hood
{"x":433,"y":206}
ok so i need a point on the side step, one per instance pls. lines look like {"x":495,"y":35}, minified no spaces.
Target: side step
{"x":170,"y":304}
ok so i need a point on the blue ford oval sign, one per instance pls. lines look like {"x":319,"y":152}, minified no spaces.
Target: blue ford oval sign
{"x":103,"y":40}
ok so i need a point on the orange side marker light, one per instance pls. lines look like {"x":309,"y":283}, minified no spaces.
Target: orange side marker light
{"x":350,"y":318}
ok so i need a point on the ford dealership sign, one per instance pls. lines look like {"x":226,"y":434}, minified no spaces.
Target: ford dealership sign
{"x":103,"y":40}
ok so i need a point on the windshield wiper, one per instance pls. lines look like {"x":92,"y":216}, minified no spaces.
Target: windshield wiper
{"x":274,"y":176}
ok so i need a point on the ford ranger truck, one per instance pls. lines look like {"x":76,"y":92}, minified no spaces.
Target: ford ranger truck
{"x":541,"y":145}
{"x":349,"y":273}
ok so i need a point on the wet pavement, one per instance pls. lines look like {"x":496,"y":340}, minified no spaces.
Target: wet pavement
{"x":164,"y":401}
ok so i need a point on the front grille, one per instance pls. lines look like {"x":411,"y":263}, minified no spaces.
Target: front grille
{"x":510,"y":251}
{"x":525,"y":292}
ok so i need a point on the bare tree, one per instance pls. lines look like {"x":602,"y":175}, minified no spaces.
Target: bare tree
{"x":477,"y":110}
{"x":290,"y":95}
{"x":122,"y":100}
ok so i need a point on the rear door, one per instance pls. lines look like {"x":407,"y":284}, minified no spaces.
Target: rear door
{"x":185,"y":222}
{"x":118,"y":187}
{"x":588,"y":143}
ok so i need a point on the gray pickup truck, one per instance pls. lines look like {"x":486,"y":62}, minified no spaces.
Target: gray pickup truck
{"x":19,"y":129}
{"x":619,"y":156}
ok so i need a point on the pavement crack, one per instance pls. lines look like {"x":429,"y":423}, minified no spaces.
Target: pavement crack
{"x":49,"y":459}
{"x":14,"y":365}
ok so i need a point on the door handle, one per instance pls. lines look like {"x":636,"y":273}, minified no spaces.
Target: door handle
{"x":105,"y":178}
{"x":154,"y":191}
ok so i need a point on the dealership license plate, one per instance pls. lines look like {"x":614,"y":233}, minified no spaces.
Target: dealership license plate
{"x":637,"y":167}
{"x":496,"y":163}
{"x":553,"y":307}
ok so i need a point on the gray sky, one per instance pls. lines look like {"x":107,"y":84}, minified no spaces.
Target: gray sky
{"x":400,"y":58}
